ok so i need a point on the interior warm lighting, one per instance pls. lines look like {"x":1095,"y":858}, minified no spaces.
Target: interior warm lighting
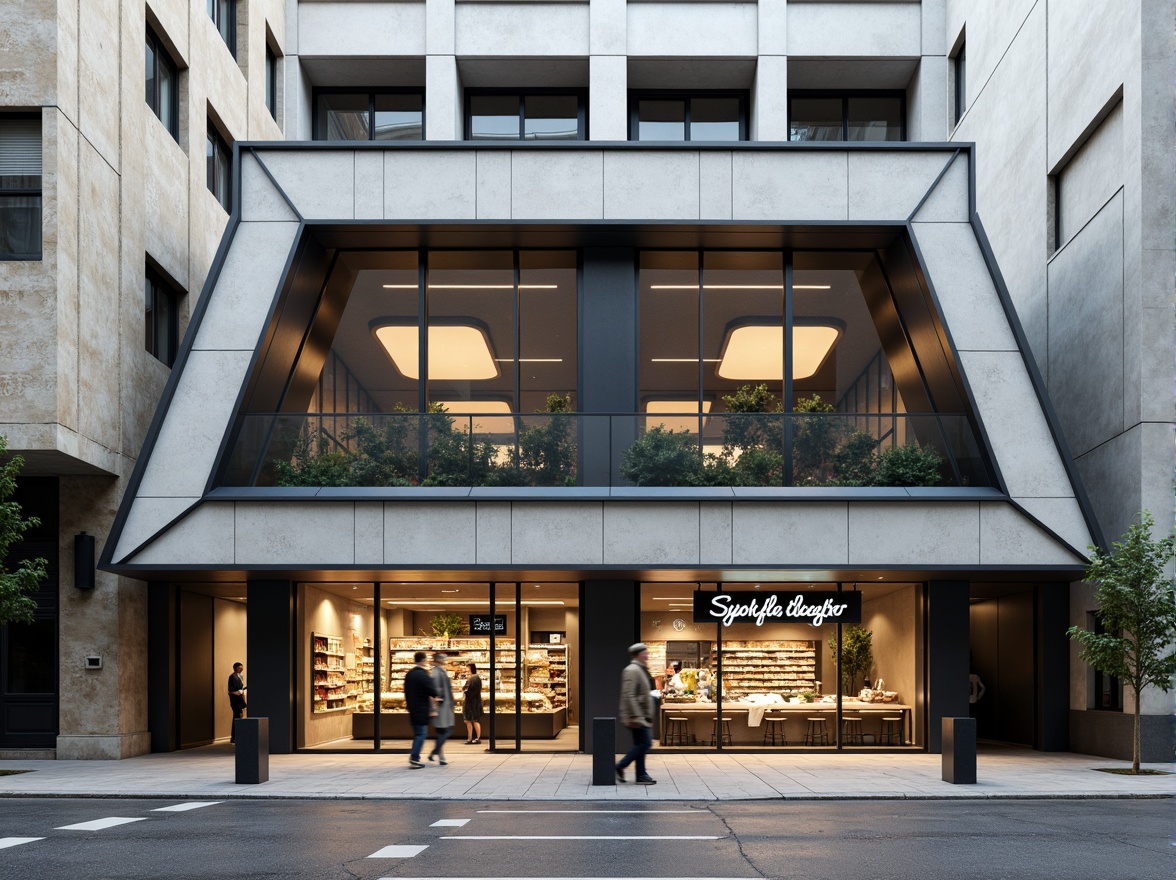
{"x":738,"y":286}
{"x":492,"y":425}
{"x":473,"y":287}
{"x":530,"y":360}
{"x":756,"y":352}
{"x":400,"y":287}
{"x":683,"y":360}
{"x":456,"y":351}
{"x":481,"y":602}
{"x":676,"y":421}
{"x":810,"y":286}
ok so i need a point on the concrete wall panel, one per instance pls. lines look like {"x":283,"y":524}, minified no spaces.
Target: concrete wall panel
{"x":641,"y":533}
{"x":369,"y":186}
{"x":420,"y":186}
{"x":607,"y":27}
{"x":346,"y":29}
{"x":949,"y":202}
{"x":430,"y":534}
{"x":369,"y":533}
{"x":530,"y":29}
{"x":843,"y":30}
{"x":888,"y":186}
{"x":714,"y":186}
{"x":608,"y":104}
{"x":791,"y":186}
{"x":493,"y":524}
{"x":205,"y":537}
{"x":148,"y":516}
{"x":933,"y":534}
{"x":1064,"y":517}
{"x":260,"y":198}
{"x":793,"y":534}
{"x":494,"y":185}
{"x":1007,"y":538}
{"x":557,"y":534}
{"x":651,"y":185}
{"x":295,"y":534}
{"x":692,"y":29}
{"x":306,"y":191}
{"x":967,"y":295}
{"x":557,"y":186}
{"x":715,"y":533}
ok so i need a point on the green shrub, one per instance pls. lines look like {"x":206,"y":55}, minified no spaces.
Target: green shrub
{"x":661,"y":457}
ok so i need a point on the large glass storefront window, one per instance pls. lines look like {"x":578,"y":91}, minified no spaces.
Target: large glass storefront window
{"x":510,"y":658}
{"x":776,"y":683}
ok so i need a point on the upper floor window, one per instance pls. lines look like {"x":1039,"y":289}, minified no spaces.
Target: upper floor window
{"x":20,"y":188}
{"x":525,"y":116}
{"x":830,"y":116}
{"x":163,"y":84}
{"x":271,"y":81}
{"x":161,"y":302}
{"x":342,"y":115}
{"x":959,"y":72}
{"x":224,"y":15}
{"x":220,"y":167}
{"x":695,"y":117}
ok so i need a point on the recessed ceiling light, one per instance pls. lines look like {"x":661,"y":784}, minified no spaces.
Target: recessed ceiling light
{"x":456,"y":351}
{"x":493,"y":425}
{"x":451,"y":591}
{"x":678,"y":408}
{"x":756,"y":351}
{"x":810,"y":286}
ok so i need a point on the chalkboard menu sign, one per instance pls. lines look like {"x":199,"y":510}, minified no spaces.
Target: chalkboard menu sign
{"x":480,"y":624}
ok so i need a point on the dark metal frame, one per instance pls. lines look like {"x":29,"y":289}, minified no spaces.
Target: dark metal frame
{"x":162,"y":287}
{"x":581,"y":96}
{"x":636,"y":96}
{"x":271,"y":80}
{"x":226,"y":29}
{"x":219,"y":166}
{"x":28,"y":192}
{"x":162,"y":56}
{"x":371,"y":96}
{"x":844,"y":96}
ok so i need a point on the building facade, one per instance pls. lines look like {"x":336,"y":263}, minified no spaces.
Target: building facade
{"x":553,"y":322}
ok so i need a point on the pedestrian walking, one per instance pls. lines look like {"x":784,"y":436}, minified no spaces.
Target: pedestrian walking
{"x":419,"y":696}
{"x":443,"y":722}
{"x":636,"y":713}
{"x":237,"y":702}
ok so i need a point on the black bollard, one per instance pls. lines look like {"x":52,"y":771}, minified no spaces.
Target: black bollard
{"x":252,"y":751}
{"x":959,"y":751}
{"x":604,"y":751}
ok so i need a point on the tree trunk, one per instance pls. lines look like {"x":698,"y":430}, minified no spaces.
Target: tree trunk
{"x":1135,"y":749}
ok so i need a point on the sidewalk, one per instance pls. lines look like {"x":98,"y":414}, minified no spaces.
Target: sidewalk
{"x":207,"y":773}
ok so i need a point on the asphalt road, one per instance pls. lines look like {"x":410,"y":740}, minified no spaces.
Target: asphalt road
{"x":841,"y":840}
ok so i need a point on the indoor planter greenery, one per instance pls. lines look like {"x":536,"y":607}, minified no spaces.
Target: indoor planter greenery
{"x":857,"y":656}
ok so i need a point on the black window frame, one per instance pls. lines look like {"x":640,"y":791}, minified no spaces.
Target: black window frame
{"x":161,"y":287}
{"x":28,"y":192}
{"x":845,"y":96}
{"x":371,"y":93}
{"x":219,"y":165}
{"x":226,"y":28}
{"x":160,"y":54}
{"x":636,"y":96}
{"x":959,"y":68}
{"x":581,"y":96}
{"x":1115,"y":688}
{"x":271,"y":80}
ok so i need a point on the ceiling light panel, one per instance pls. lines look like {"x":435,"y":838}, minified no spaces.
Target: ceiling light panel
{"x":456,"y":351}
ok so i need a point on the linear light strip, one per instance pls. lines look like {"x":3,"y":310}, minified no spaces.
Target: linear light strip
{"x":738,"y":286}
{"x":473,"y":286}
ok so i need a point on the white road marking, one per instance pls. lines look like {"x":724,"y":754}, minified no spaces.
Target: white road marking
{"x":649,"y":877}
{"x":183,"y":808}
{"x":100,"y":824}
{"x":449,"y":823}
{"x":695,"y":812}
{"x":398,"y":852}
{"x":588,"y":837}
{"x":6,"y":842}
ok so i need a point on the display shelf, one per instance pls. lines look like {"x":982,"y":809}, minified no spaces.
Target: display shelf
{"x":329,"y":689}
{"x":786,"y":668}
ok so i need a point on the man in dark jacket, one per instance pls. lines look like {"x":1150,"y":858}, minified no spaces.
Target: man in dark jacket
{"x":636,"y":713}
{"x":236,"y":698}
{"x":419,"y":696}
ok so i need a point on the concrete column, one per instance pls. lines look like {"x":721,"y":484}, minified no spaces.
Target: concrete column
{"x":769,"y":94}
{"x":608,"y":74}
{"x":161,"y":667}
{"x":440,"y":27}
{"x":271,"y":657}
{"x":947,"y":631}
{"x":609,"y":624}
{"x":442,"y":99}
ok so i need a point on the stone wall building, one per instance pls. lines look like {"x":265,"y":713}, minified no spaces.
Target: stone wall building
{"x":951,"y":221}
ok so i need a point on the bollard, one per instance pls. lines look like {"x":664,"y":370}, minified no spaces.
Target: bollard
{"x":604,"y":751}
{"x":252,"y":751}
{"x":959,"y":751}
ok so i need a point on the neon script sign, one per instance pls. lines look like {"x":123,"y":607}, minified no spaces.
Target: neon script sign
{"x":759,"y":608}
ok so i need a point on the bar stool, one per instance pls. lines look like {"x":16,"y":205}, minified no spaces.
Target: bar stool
{"x":891,"y":730}
{"x":774,"y":730}
{"x":851,"y":730}
{"x":726,"y":731}
{"x":817,"y":733}
{"x":677,"y":731}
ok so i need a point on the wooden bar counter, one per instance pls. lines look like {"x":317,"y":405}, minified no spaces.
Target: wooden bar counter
{"x":700,"y":727}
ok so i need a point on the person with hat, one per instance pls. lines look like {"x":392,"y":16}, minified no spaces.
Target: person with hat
{"x":636,"y":713}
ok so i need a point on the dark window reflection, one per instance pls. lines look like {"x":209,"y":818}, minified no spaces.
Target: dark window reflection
{"x":846,"y":118}
{"x":494,"y":117}
{"x":343,"y":117}
{"x":875,"y":119}
{"x":398,"y":118}
{"x":816,"y":119}
{"x":714,"y":119}
{"x":661,"y":120}
{"x":551,"y":117}
{"x":32,"y":658}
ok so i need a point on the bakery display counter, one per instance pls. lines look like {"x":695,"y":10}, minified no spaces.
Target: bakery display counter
{"x":539,"y":724}
{"x":747,"y":726}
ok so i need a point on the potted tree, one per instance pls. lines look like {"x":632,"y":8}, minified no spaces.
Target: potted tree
{"x":857,"y":655}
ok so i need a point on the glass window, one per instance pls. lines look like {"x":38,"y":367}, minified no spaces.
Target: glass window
{"x":547,"y":327}
{"x":224,"y":16}
{"x":161,"y":312}
{"x":535,"y":116}
{"x":689,"y":118}
{"x":219,"y":168}
{"x":960,"y":76}
{"x":833,"y":117}
{"x":271,"y":82}
{"x":20,"y":188}
{"x":348,"y":116}
{"x":32,"y":658}
{"x":162,"y":84}
{"x":551,"y":118}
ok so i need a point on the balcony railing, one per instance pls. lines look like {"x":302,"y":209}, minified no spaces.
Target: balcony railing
{"x":603,"y":450}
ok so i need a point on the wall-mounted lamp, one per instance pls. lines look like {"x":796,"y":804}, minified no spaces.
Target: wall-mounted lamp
{"x":84,"y":561}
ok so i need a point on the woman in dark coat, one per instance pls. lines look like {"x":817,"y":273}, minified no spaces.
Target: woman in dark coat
{"x":471,"y":706}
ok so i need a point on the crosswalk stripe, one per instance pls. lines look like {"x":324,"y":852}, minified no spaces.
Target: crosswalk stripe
{"x":183,"y":808}
{"x":449,"y":823}
{"x":398,"y":852}
{"x":100,"y":824}
{"x":6,"y":842}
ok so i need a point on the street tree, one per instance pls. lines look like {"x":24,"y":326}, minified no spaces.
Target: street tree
{"x":16,"y":605}
{"x":1137,"y":599}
